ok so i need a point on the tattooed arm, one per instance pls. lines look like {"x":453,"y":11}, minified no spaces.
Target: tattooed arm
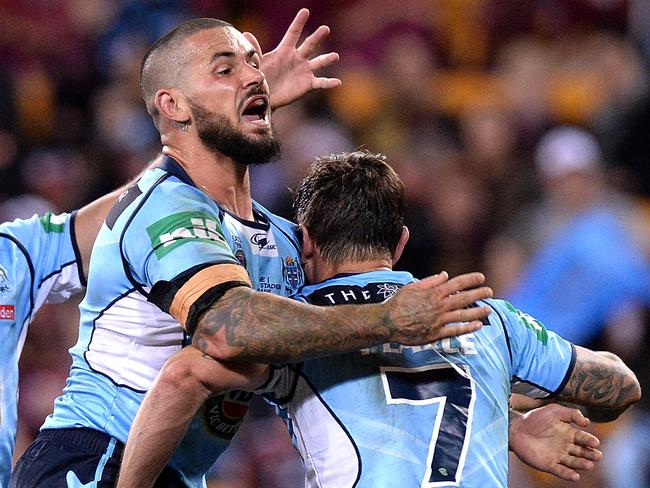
{"x":244,"y":325}
{"x":602,"y":384}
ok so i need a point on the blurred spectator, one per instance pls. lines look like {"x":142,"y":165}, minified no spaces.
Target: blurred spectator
{"x":584,"y":258}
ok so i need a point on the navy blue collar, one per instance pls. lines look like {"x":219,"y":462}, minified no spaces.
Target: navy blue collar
{"x":172,"y":167}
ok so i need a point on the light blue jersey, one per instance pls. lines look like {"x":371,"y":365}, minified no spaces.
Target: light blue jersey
{"x":424,"y":416}
{"x":38,"y":264}
{"x":162,"y":232}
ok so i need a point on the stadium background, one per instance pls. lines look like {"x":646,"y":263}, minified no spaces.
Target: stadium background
{"x":456,"y":92}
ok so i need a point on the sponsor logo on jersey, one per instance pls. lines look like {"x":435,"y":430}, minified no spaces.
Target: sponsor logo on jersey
{"x":291,"y":273}
{"x":224,"y":414}
{"x":530,"y":323}
{"x":4,"y":280}
{"x":175,"y":230}
{"x":53,"y":223}
{"x":7,"y":312}
{"x":261,"y":240}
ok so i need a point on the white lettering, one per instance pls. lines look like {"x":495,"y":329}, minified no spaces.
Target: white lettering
{"x":348,"y":295}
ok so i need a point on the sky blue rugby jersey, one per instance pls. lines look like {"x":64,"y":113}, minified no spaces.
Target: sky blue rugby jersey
{"x":427,"y":416}
{"x":39,"y":263}
{"x":162,"y":228}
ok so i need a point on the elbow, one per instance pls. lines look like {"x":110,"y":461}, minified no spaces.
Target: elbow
{"x":215,"y":346}
{"x":630,"y":391}
{"x":635,"y":389}
{"x":183,"y":376}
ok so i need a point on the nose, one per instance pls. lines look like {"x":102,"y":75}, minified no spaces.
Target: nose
{"x":253,"y":76}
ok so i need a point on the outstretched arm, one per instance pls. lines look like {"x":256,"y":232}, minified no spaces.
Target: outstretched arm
{"x":182,"y":386}
{"x":551,"y":439}
{"x":91,"y":217}
{"x":88,"y":221}
{"x":290,"y":68}
{"x":602,"y":384}
{"x":244,"y":325}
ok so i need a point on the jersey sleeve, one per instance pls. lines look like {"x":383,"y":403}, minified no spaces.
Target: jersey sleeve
{"x":175,"y":244}
{"x":542,"y":361}
{"x":51,"y":246}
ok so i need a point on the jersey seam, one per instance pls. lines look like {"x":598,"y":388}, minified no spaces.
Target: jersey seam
{"x":144,"y":198}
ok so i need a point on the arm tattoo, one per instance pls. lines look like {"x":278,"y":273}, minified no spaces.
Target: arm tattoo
{"x":603,"y":384}
{"x":267,"y":328}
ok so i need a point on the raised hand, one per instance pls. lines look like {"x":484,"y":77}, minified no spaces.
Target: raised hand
{"x":551,"y":439}
{"x":421,"y":312}
{"x":290,"y":68}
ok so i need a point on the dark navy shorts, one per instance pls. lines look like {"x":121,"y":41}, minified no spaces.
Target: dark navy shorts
{"x":75,"y":458}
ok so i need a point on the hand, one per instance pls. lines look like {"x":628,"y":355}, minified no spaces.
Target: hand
{"x":420,"y":312}
{"x":289,"y":69}
{"x":546,"y":439}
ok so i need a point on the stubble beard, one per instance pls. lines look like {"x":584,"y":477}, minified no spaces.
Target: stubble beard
{"x":218,"y":134}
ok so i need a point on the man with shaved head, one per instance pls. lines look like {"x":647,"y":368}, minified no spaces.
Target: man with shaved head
{"x":185,"y":253}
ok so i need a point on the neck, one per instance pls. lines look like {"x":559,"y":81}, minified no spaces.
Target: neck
{"x":221,"y":178}
{"x":325,"y":270}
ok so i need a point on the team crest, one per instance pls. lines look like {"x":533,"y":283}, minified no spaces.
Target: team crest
{"x":292,"y":273}
{"x":224,"y":414}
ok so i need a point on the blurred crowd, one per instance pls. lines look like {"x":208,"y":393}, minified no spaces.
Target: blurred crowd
{"x":520,"y":129}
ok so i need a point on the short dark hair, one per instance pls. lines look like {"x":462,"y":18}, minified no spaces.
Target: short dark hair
{"x":159,"y":64}
{"x":353,"y":206}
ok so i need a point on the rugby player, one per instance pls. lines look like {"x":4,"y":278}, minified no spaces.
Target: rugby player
{"x":389,"y":415}
{"x":182,"y":257}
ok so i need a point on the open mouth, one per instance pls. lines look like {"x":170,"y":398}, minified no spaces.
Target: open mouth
{"x":256,"y":109}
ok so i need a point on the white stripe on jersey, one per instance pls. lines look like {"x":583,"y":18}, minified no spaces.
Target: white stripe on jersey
{"x":131,"y":341}
{"x":329,"y":433}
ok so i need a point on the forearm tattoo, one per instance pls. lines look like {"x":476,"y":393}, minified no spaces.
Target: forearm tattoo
{"x":602,"y":383}
{"x":267,"y":328}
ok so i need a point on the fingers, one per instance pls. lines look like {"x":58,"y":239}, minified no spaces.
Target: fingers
{"x":253,"y":40}
{"x":313,"y":41}
{"x":323,"y":61}
{"x":579,"y":419}
{"x":432,"y":281}
{"x":462,"y":282}
{"x":325,"y":83}
{"x":294,"y":31}
{"x":573,"y":462}
{"x":587,"y":453}
{"x":466,"y":298}
{"x":585,"y":439}
{"x":461,"y":315}
{"x":564,"y":473}
{"x":456,"y":330}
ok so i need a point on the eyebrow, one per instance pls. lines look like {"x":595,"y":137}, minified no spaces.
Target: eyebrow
{"x":230,"y":54}
{"x":222,"y":54}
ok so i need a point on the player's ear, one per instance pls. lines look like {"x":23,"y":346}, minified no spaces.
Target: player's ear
{"x":171,"y":104}
{"x":404,"y":238}
{"x":308,"y":245}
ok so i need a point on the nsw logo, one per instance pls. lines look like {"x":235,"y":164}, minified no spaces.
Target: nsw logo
{"x":292,"y":273}
{"x":175,"y":230}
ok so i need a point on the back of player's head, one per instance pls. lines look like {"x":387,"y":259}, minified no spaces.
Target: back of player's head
{"x":163,"y":62}
{"x":352,"y":205}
